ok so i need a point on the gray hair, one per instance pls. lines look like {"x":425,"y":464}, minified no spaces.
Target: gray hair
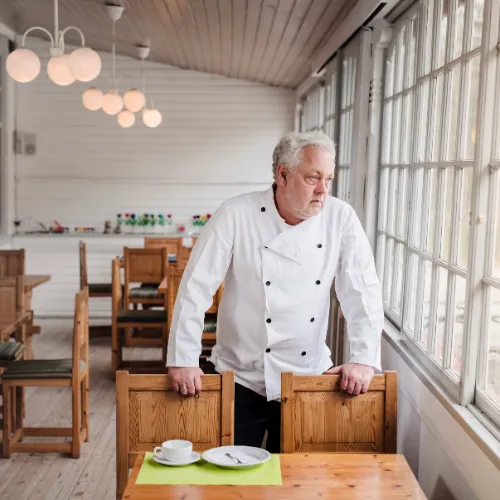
{"x":288,"y":151}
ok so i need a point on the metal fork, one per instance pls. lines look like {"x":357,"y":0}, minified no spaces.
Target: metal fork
{"x":235,"y":458}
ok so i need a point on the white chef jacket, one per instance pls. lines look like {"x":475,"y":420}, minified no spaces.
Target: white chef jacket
{"x":273,"y":316}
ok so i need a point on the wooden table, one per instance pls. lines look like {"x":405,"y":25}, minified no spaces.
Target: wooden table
{"x":335,"y":476}
{"x":31,"y":281}
{"x":8,"y":327}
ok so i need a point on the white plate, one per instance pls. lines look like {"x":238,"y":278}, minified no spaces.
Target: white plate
{"x":191,"y":460}
{"x":248,"y":455}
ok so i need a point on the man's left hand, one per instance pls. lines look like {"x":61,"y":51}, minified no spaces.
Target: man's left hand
{"x":355,"y":378}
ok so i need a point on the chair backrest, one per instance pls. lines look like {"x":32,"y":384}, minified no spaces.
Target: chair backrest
{"x":11,"y":297}
{"x":317,"y":417}
{"x":11,"y":262}
{"x":174,"y":280}
{"x":171,"y":244}
{"x":148,"y":413}
{"x":144,"y":265}
{"x":184,"y":252}
{"x":81,"y":332}
{"x":83,"y":265}
{"x":116,"y":288}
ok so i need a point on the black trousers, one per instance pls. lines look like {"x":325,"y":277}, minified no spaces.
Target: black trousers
{"x":253,"y":416}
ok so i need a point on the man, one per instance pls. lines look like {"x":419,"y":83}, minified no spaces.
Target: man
{"x":278,"y":252}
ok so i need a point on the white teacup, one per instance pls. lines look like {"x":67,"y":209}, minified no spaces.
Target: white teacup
{"x":175,"y":450}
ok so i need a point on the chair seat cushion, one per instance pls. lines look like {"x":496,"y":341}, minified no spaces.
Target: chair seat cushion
{"x":145,"y":292}
{"x":100,"y":288}
{"x":142,"y":316}
{"x":10,"y":350}
{"x":41,"y":369}
{"x":210,"y":325}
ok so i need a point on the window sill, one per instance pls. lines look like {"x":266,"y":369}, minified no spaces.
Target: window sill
{"x":486,"y":435}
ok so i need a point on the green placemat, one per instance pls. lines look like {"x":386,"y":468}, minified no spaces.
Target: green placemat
{"x":267,"y":474}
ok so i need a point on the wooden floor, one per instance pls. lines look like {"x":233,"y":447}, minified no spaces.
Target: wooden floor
{"x":50,"y":476}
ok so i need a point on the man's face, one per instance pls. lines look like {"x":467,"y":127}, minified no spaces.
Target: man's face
{"x":306,"y":188}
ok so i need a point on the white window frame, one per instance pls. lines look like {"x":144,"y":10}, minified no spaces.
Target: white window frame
{"x":467,"y":388}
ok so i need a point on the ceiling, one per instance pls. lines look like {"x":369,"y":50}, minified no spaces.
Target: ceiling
{"x":268,"y":41}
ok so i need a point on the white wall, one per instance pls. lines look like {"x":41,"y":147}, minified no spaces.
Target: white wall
{"x":447,"y":462}
{"x":215,"y":141}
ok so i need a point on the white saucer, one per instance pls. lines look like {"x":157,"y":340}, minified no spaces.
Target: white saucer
{"x":248,"y":455}
{"x":191,"y":460}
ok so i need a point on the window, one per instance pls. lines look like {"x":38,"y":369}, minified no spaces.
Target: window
{"x":313,"y":110}
{"x":427,"y":180}
{"x":487,"y":388}
{"x":347,"y":90}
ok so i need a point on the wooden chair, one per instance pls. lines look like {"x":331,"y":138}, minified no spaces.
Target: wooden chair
{"x":317,"y":417}
{"x":148,"y":413}
{"x":184,"y":252}
{"x":72,"y":373}
{"x":147,"y":266}
{"x":11,"y":309}
{"x":95,"y":289}
{"x":125,"y":318}
{"x":210,"y":324}
{"x":171,"y":244}
{"x":12,"y":263}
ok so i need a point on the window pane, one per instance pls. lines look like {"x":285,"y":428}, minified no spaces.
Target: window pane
{"x":412,"y":54}
{"x":393,"y":187}
{"x":389,"y":72}
{"x":441,"y":311}
{"x":407,"y":141}
{"x":458,"y":324}
{"x":387,"y":133}
{"x":493,"y":363}
{"x":401,"y":62}
{"x":423,"y":119}
{"x":384,"y":198}
{"x":426,"y":305}
{"x":380,"y":256}
{"x":437,"y":113}
{"x":472,"y":89}
{"x":402,"y":207}
{"x":465,"y":214}
{"x":388,"y":270}
{"x":411,"y":294}
{"x":440,"y":35}
{"x":451,"y":123}
{"x":459,"y":29}
{"x":417,"y":207}
{"x":398,"y":268}
{"x":432,"y":197}
{"x":447,"y":189}
{"x":477,"y":23}
{"x":396,"y":131}
{"x":425,"y":55}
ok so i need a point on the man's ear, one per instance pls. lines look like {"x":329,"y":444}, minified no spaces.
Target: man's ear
{"x":281,"y":175}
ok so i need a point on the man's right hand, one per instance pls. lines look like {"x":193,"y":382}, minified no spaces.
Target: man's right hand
{"x":187,"y":381}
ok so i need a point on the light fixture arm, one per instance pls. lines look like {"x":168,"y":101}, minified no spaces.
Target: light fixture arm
{"x":56,"y":41}
{"x":62,"y":33}
{"x":34,"y":28}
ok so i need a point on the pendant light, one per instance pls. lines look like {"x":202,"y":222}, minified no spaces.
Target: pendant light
{"x":83,"y":64}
